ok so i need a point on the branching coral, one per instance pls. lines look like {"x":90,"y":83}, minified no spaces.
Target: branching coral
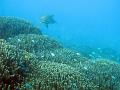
{"x":12,"y":26}
{"x":34,"y":43}
{"x":37,"y":62}
{"x":14,"y":66}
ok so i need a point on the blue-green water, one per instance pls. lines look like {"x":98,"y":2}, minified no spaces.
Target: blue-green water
{"x":93,"y":23}
{"x":89,"y":22}
{"x":78,"y":52}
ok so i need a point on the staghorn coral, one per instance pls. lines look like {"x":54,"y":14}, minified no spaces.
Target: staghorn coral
{"x":12,"y":26}
{"x":55,"y":76}
{"x":46,"y":75}
{"x":34,"y":74}
{"x":34,"y":43}
{"x":62,"y":55}
{"x":46,"y":48}
{"x":106,"y":75}
{"x":99,"y":53}
{"x":15,"y":66}
{"x":36,"y":62}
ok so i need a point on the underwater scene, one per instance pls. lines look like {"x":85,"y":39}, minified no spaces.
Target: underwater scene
{"x":59,"y":45}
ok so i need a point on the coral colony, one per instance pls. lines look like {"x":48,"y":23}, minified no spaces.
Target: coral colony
{"x":30,"y":60}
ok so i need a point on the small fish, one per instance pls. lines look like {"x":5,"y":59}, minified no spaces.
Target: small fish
{"x":48,"y":19}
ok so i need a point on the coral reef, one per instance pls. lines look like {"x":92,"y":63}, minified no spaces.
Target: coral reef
{"x":14,"y":65}
{"x":104,"y":74}
{"x":12,"y":26}
{"x":20,"y":69}
{"x":46,"y":48}
{"x":34,"y":43}
{"x":107,"y":75}
{"x":56,"y":76}
{"x":31,"y":61}
{"x":35,"y":74}
{"x":98,"y":53}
